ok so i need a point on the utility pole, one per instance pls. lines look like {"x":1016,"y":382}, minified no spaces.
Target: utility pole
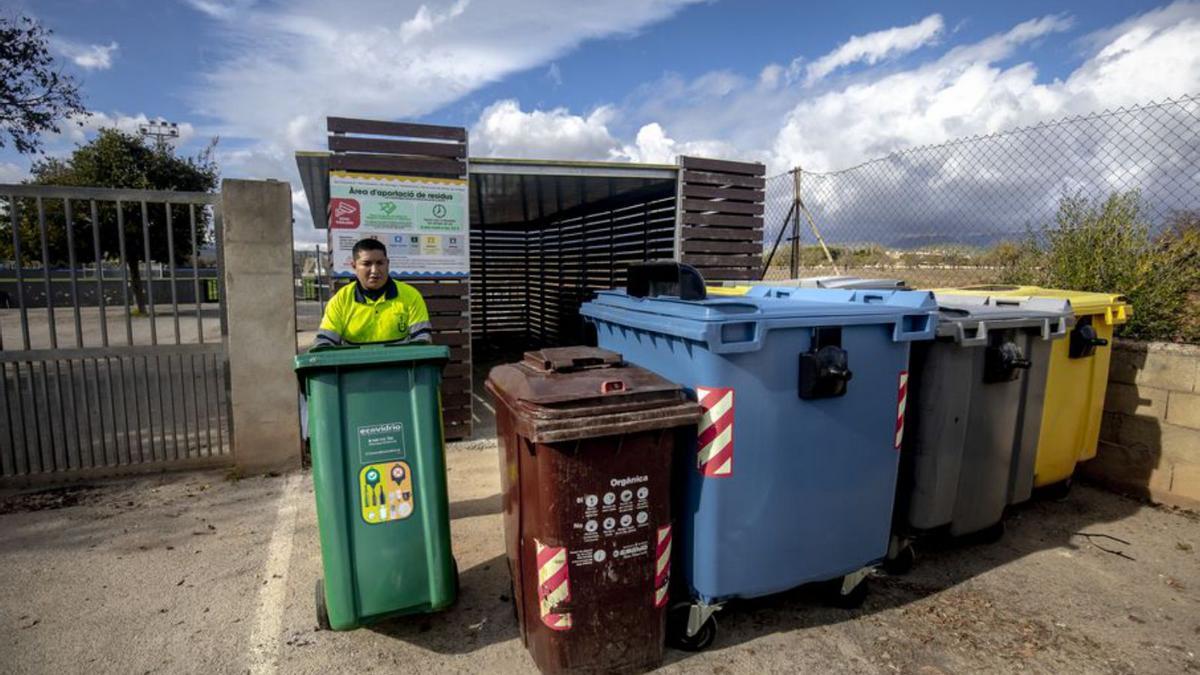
{"x":160,"y":130}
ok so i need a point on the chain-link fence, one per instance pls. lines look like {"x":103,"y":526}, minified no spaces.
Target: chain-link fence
{"x":936,"y":215}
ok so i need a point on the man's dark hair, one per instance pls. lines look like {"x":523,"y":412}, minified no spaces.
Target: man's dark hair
{"x":367,"y":245}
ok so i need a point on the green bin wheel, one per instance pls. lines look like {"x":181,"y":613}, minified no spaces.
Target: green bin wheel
{"x":322,"y":609}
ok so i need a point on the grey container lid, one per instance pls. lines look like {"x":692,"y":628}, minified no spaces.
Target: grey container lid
{"x":844,"y":281}
{"x":968,"y":319}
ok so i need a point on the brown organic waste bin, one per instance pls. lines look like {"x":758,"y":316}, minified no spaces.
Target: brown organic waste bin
{"x":586,"y":443}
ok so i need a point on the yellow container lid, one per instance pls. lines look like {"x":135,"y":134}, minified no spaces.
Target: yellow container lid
{"x":1115,"y":308}
{"x":727,"y":290}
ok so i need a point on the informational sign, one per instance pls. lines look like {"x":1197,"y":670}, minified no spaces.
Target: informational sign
{"x":423,"y":222}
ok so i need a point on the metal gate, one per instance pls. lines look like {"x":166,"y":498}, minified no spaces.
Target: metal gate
{"x":112,"y":350}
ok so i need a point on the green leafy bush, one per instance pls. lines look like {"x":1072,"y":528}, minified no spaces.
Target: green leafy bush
{"x":1106,"y":246}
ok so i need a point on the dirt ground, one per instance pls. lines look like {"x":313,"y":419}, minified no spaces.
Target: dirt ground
{"x":200,"y":573}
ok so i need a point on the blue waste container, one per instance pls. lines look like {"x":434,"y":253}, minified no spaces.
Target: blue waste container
{"x":792,"y":476}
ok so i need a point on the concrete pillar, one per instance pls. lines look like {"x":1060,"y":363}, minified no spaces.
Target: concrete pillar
{"x":261,"y":310}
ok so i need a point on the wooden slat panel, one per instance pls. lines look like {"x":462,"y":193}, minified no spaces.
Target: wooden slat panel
{"x":722,"y":166}
{"x":707,"y":178}
{"x":405,"y":165}
{"x":451,"y":339}
{"x":724,"y":260}
{"x":456,"y":370}
{"x":441,"y":304}
{"x":457,"y":416}
{"x":388,"y":146}
{"x":439,"y":290}
{"x":456,"y":385}
{"x":711,"y":274}
{"x":709,"y":192}
{"x":379,"y":128}
{"x":449,"y":322}
{"x":721,"y":219}
{"x":694,"y":246}
{"x":722,"y":207}
{"x":724,"y":233}
{"x":456,"y":400}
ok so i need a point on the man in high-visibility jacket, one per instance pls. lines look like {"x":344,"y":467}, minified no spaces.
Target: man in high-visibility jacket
{"x":375,"y":308}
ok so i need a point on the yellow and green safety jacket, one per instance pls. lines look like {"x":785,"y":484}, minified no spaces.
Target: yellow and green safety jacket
{"x":396,"y":314}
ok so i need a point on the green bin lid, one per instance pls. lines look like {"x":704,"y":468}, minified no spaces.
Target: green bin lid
{"x":368,"y":355}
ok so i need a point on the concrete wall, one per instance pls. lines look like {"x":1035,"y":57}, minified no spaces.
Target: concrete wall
{"x":257,"y":245}
{"x":1150,"y":438}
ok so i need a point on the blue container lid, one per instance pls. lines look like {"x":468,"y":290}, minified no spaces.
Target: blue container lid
{"x":730,"y":324}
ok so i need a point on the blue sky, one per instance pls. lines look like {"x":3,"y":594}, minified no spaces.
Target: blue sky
{"x":823,"y":84}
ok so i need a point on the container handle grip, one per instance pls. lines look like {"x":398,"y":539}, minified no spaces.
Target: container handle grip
{"x":612,"y":386}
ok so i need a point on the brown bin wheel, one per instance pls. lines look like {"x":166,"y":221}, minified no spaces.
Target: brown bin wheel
{"x":677,"y":636}
{"x":322,"y":609}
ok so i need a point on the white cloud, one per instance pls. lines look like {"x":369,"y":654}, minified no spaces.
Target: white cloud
{"x":11,"y":173}
{"x":554,"y":74}
{"x":876,"y":46}
{"x":220,"y":9}
{"x":504,"y":130}
{"x":653,"y":146}
{"x":388,"y":59}
{"x":78,"y":130}
{"x":88,"y":57}
{"x":425,"y":20}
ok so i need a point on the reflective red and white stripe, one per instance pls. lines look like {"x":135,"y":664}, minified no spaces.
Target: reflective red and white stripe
{"x":553,"y":587}
{"x":714,"y":456}
{"x":662,"y":569}
{"x":901,"y":404}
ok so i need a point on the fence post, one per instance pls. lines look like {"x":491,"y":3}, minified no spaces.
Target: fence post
{"x":261,"y":308}
{"x":795,"y":223}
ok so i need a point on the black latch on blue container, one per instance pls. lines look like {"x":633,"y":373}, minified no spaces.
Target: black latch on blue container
{"x":825,"y":368}
{"x":657,"y":278}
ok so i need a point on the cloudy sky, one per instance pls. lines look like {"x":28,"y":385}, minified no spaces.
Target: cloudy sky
{"x":822,"y":85}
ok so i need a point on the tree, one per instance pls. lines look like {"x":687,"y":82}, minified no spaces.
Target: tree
{"x":34,"y":96}
{"x":115,"y":159}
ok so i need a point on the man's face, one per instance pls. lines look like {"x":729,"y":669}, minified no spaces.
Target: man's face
{"x":371,"y":268}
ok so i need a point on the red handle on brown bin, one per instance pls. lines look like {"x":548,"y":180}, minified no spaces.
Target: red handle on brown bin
{"x":611,"y":385}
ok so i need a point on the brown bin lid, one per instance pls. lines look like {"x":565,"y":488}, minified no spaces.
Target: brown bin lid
{"x":570,"y":393}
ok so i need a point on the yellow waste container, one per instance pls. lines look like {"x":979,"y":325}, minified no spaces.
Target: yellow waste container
{"x":1077,"y":378}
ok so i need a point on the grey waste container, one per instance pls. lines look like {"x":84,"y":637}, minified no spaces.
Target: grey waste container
{"x":978,"y":392}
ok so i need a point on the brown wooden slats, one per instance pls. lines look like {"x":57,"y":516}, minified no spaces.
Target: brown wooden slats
{"x":451,"y":339}
{"x":720,"y":219}
{"x":722,"y":166}
{"x":730,"y":193}
{"x":727,"y":274}
{"x":704,"y":246}
{"x":388,"y":146}
{"x":398,"y":164}
{"x":722,"y":206}
{"x":347,"y":125}
{"x":724,"y":233}
{"x":722,"y":260}
{"x":723,"y":179}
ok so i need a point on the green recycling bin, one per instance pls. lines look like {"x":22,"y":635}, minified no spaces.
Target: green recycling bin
{"x":379,"y":474}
